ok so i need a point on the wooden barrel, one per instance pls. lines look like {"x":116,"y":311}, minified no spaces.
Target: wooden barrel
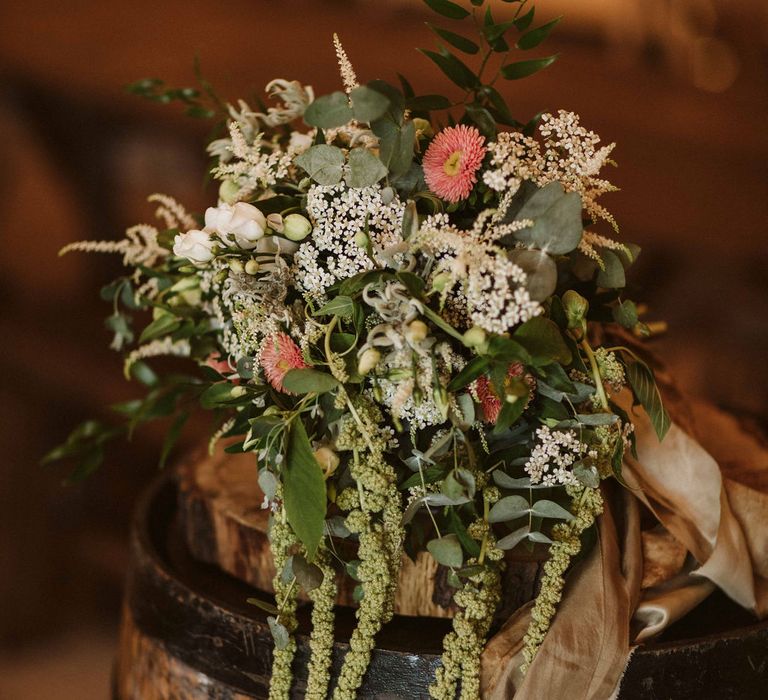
{"x":188,"y":634}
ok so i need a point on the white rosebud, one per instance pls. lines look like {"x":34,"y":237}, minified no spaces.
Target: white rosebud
{"x":195,"y":246}
{"x":296,"y":227}
{"x":242,"y":222}
{"x":368,"y":360}
{"x":228,"y":191}
{"x":275,"y":222}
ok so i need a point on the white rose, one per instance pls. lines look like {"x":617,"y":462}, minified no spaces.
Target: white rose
{"x":195,"y":246}
{"x":242,"y":221}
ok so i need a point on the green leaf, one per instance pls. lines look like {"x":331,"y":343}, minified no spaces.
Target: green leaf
{"x":163,"y":325}
{"x":263,"y":604}
{"x":492,"y":31}
{"x":303,"y":489}
{"x":304,"y":381}
{"x":396,"y":147}
{"x":309,"y":576}
{"x":543,"y":340}
{"x":428,"y":103}
{"x":447,"y":551}
{"x":460,"y":531}
{"x":588,"y":476}
{"x":523,"y":22}
{"x":448,"y":9}
{"x":143,"y":373}
{"x":323,"y":163}
{"x":172,"y":437}
{"x":510,"y":412}
{"x":483,"y":120}
{"x":647,"y":392}
{"x":613,"y":276}
{"x":508,"y":508}
{"x":522,"y":69}
{"x":455,"y":40}
{"x":218,"y":394}
{"x":342,"y":306}
{"x":280,"y":633}
{"x":514,"y":538}
{"x":531,"y":39}
{"x":329,"y":111}
{"x":471,"y":371}
{"x":550,"y":509}
{"x":87,"y":466}
{"x":595,"y":419}
{"x":556,"y":216}
{"x":625,"y":314}
{"x":455,"y":69}
{"x":367,"y":104}
{"x":365,"y":169}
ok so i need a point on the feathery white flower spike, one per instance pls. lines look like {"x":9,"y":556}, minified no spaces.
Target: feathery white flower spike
{"x":348,"y":76}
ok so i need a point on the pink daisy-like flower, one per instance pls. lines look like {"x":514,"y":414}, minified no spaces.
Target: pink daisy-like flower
{"x":279,"y":354}
{"x":452,"y":161}
{"x":490,"y":403}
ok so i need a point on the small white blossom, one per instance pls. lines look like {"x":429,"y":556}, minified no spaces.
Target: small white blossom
{"x":553,"y":457}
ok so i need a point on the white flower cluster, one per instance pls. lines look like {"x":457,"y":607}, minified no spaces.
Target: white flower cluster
{"x":341,"y":216}
{"x":570,"y":155}
{"x":553,"y":456}
{"x":473,"y":271}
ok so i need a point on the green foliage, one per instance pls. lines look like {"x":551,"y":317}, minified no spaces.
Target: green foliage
{"x":365,"y":169}
{"x":323,"y":163}
{"x":543,"y":340}
{"x":643,"y":384}
{"x":448,"y":9}
{"x":304,"y":381}
{"x":556,"y":217}
{"x":156,"y":90}
{"x":303,"y":489}
{"x":447,"y":551}
{"x":456,"y":40}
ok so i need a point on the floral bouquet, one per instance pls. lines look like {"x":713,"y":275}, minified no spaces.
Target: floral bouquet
{"x":403,"y":306}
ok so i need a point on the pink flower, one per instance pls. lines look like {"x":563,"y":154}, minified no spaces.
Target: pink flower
{"x":452,"y":161}
{"x":279,"y":354}
{"x":490,"y":403}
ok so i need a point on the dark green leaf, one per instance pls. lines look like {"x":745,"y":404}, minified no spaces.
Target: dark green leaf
{"x":455,"y":69}
{"x":625,"y":314}
{"x":543,"y":340}
{"x":455,"y":40}
{"x":647,"y":392}
{"x":218,"y":394}
{"x":449,"y":9}
{"x":304,"y":489}
{"x":309,"y":576}
{"x":531,"y":39}
{"x":172,"y":437}
{"x":493,"y":32}
{"x":446,"y":551}
{"x":469,"y":545}
{"x":428,"y":103}
{"x":143,"y":373}
{"x":483,"y":120}
{"x":263,"y":604}
{"x":522,"y":69}
{"x":342,"y":306}
{"x":471,"y":371}
{"x":510,"y":412}
{"x":523,"y":22}
{"x":304,"y":381}
{"x":329,"y":111}
{"x":613,"y":276}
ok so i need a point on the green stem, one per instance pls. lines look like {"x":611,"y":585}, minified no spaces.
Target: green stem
{"x":596,"y":375}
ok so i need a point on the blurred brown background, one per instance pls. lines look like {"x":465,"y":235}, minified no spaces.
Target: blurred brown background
{"x":679,"y":84}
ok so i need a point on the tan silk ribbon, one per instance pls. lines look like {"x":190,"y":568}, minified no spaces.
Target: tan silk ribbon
{"x":714,"y":504}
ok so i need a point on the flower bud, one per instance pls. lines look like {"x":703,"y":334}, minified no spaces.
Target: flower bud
{"x":251,"y":267}
{"x":228,"y":191}
{"x":236,"y":266}
{"x":275,"y":222}
{"x":475,"y":337}
{"x":362,"y":240}
{"x":423,"y":128}
{"x":440,"y":281}
{"x":327,"y":459}
{"x":237,"y":391}
{"x":296,"y":227}
{"x":368,"y":360}
{"x":416,"y":331}
{"x":440,"y":397}
{"x":387,"y":195}
{"x":576,"y":307}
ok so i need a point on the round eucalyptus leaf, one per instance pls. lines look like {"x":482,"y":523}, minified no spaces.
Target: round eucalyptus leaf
{"x":541,"y":271}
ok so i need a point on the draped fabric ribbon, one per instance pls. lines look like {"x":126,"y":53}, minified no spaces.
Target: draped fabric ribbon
{"x":712,"y":511}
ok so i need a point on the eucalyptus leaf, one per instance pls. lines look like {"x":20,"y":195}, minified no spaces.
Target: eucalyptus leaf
{"x":336,"y":527}
{"x":304,"y":493}
{"x":365,"y":169}
{"x":556,"y":216}
{"x":304,"y":381}
{"x":329,"y":111}
{"x":368,"y":104}
{"x":540,"y":270}
{"x":587,"y":476}
{"x":612,"y":276}
{"x":625,"y":314}
{"x":309,"y":576}
{"x":323,"y":163}
{"x":539,"y":537}
{"x":514,"y":538}
{"x":279,"y":633}
{"x":508,"y":508}
{"x":550,"y":509}
{"x":268,"y":484}
{"x":447,"y":551}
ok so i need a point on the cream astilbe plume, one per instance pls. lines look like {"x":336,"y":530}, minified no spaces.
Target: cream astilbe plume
{"x":590,"y":240}
{"x":139,"y":247}
{"x":157,"y":348}
{"x":348,"y":76}
{"x":172,"y":213}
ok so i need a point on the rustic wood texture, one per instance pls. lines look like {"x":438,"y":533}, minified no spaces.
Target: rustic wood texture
{"x":224,"y":524}
{"x":188,"y":634}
